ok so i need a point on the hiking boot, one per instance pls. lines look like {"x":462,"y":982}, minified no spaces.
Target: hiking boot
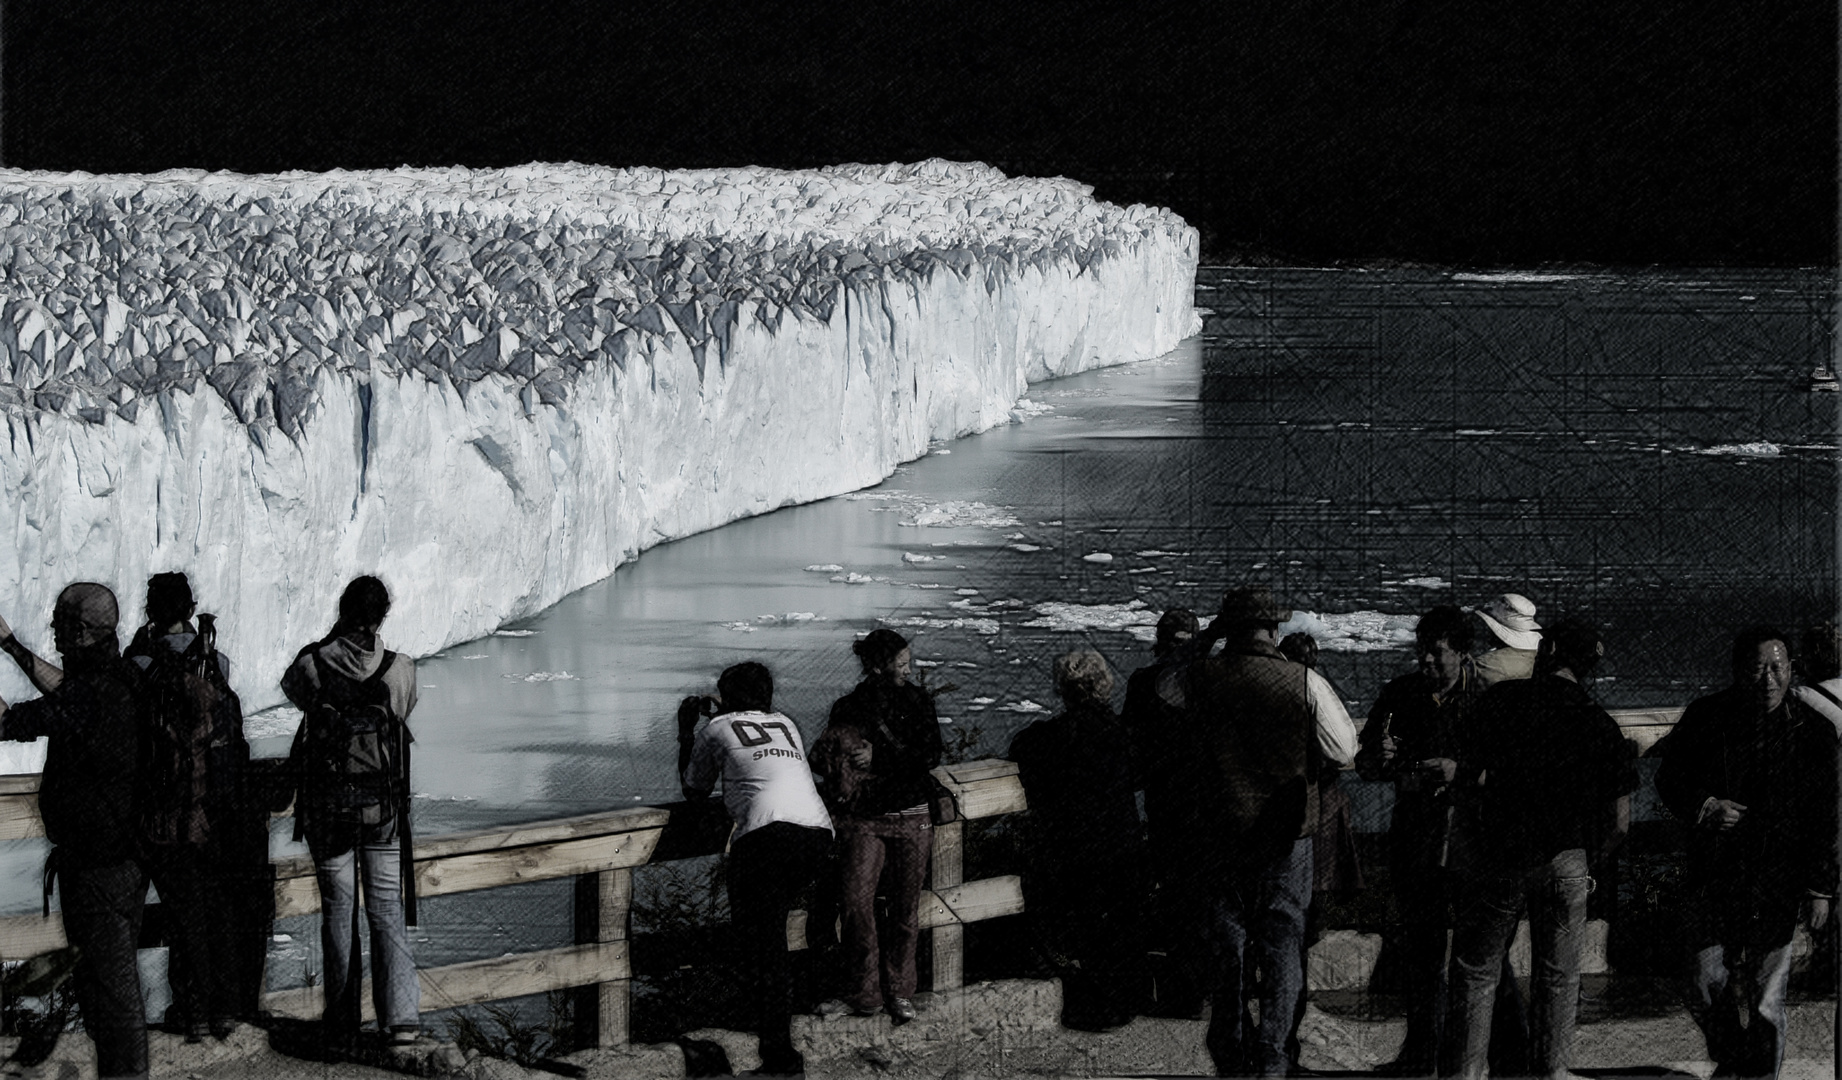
{"x":902,"y":1009}
{"x":840,"y":1007}
{"x":196,"y":1031}
{"x":404,"y":1035}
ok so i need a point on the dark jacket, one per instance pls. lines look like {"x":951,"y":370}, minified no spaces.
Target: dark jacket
{"x":1076,"y":769}
{"x":1554,"y":764}
{"x":1153,"y":731}
{"x":1423,"y":726}
{"x":903,"y":731}
{"x":1251,"y":730}
{"x":93,"y":722}
{"x":1748,"y":881}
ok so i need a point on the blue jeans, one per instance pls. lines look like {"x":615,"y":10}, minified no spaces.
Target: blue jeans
{"x":1555,"y":895}
{"x":1257,"y":922}
{"x":396,"y":994}
{"x":1758,"y":1050}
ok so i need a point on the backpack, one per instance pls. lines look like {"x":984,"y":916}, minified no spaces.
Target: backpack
{"x":350,"y":751}
{"x":192,"y":749}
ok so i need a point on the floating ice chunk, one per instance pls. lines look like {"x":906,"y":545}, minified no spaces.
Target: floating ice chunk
{"x":984,"y":701}
{"x":1424,"y":583}
{"x":957,"y":514}
{"x":1353,"y":631}
{"x":943,"y":450}
{"x":1521,"y":277}
{"x":1024,"y":706}
{"x":514,"y":633}
{"x":1025,"y":548}
{"x":1101,"y":557}
{"x":966,"y":592}
{"x":541,"y":676}
{"x":476,"y":656}
{"x":1075,"y":618}
{"x":740,"y":627}
{"x":1025,"y":409}
{"x":987,"y":627}
{"x":853,"y":578}
{"x":1154,"y":553}
{"x":824,"y":568}
{"x":911,"y":557}
{"x":927,"y":663}
{"x":1745,"y":450}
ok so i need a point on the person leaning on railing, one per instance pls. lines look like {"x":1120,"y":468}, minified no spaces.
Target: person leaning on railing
{"x":781,"y":838}
{"x":91,"y":714}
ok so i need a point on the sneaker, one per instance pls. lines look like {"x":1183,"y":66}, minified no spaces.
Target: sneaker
{"x":902,"y":1009}
{"x":840,"y":1007}
{"x":404,"y":1036}
{"x":222,"y":1027}
{"x":195,"y":1033}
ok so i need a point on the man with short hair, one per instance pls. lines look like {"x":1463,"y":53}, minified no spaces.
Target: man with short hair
{"x":1413,"y":737}
{"x":1152,"y":724}
{"x":1753,"y":771}
{"x":1555,"y":796}
{"x":91,"y":714}
{"x":1260,"y":736}
{"x":781,"y":838}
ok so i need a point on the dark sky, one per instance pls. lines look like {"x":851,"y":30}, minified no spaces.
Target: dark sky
{"x":1438,"y":130}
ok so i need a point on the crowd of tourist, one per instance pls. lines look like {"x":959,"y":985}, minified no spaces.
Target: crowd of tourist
{"x":1204,"y":822}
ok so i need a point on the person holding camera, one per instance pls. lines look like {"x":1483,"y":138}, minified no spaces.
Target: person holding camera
{"x":781,"y":839}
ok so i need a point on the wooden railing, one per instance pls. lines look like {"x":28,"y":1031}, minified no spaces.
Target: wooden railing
{"x":600,"y":852}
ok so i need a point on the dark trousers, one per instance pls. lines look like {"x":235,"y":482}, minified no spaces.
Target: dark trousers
{"x":893,"y":850}
{"x":102,"y":918}
{"x":769,"y":870}
{"x":1424,"y":895}
{"x":201,"y":966}
{"x":1258,"y":920}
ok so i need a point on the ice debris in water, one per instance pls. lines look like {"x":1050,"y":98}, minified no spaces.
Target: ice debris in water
{"x":911,"y":557}
{"x":1024,"y":706}
{"x":1746,"y":450}
{"x":1101,"y":557}
{"x":790,"y":618}
{"x":1353,"y":631}
{"x":1025,"y":409}
{"x":824,"y":568}
{"x":987,"y":627}
{"x":1422,"y":583}
{"x":1131,"y":617}
{"x":540,"y":676}
{"x":514,"y":633}
{"x":957,"y":514}
{"x":854,"y":578}
{"x":1026,"y":548}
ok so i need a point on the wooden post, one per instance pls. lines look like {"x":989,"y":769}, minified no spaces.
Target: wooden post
{"x":949,"y":942}
{"x":602,"y":903}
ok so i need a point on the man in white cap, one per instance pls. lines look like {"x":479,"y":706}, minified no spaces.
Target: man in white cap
{"x":1511,"y":620}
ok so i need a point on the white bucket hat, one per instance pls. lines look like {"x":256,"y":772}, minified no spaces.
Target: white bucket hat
{"x":1512,"y":619}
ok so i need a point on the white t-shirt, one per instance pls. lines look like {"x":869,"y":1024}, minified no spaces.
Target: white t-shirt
{"x":761,"y":760}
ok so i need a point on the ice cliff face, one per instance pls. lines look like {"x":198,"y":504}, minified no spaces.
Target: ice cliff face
{"x":493,"y":387}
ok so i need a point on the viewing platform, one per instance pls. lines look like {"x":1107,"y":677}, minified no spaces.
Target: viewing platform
{"x":997,"y":1027}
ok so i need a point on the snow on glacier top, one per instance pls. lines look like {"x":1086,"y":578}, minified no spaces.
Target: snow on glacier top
{"x":119,"y":288}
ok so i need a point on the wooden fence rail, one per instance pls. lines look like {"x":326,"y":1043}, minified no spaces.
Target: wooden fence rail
{"x":599,"y":851}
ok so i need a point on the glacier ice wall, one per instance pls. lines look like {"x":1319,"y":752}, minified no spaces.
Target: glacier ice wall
{"x":493,"y":387}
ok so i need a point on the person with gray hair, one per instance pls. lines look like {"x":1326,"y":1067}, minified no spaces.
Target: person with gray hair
{"x":1086,"y":865}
